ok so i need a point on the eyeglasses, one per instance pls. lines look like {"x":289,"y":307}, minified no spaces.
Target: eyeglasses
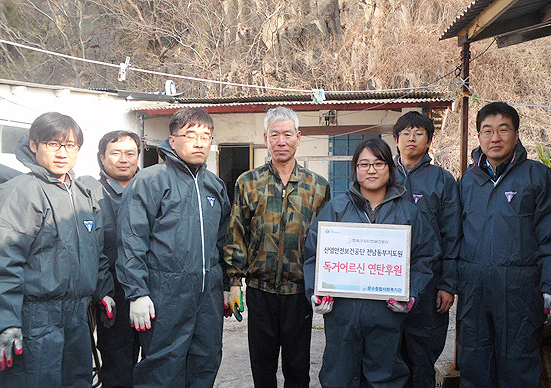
{"x":55,"y":146}
{"x":192,"y":137}
{"x":364,"y":166}
{"x":502,"y":132}
{"x":418,"y":133}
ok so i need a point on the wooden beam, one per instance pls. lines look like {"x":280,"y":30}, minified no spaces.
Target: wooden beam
{"x":463,"y":147}
{"x":484,"y":19}
{"x":323,"y":130}
{"x":546,"y":14}
{"x":521,"y":23}
{"x":522,"y":36}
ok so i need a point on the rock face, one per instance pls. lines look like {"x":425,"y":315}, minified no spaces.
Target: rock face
{"x":334,"y":44}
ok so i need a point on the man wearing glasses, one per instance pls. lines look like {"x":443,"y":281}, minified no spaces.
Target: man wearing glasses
{"x":504,"y":270}
{"x":51,"y":261}
{"x":172,"y":223}
{"x":435,"y":193}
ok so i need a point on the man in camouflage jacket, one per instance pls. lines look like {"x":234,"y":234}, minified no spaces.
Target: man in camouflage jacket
{"x":273,"y":209}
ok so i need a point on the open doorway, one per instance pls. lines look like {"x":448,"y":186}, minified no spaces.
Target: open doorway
{"x":233,"y":160}
{"x":150,"y":156}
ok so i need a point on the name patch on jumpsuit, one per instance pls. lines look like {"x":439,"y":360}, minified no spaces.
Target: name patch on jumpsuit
{"x":509,"y":195}
{"x":417,"y":197}
{"x":211,"y":200}
{"x":89,"y":225}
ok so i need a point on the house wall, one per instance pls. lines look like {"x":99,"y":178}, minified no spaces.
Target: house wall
{"x":96,"y":113}
{"x":248,"y":128}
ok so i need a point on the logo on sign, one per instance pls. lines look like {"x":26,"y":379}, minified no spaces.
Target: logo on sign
{"x":89,"y":225}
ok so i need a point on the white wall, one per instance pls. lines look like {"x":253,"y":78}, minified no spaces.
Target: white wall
{"x":96,"y":113}
{"x":248,"y":128}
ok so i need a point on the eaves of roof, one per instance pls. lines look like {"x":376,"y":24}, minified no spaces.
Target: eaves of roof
{"x":521,"y":13}
{"x":259,"y":107}
{"x":303,"y":102}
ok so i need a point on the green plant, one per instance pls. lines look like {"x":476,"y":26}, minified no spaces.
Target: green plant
{"x":544,"y":154}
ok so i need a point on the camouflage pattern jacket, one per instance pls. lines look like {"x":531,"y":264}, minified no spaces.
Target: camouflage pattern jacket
{"x":268,"y":227}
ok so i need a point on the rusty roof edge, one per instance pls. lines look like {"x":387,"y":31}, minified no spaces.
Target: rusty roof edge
{"x":329,"y":96}
{"x":169,"y":106}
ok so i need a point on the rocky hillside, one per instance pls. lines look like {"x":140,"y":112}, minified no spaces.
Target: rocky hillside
{"x":304,"y":44}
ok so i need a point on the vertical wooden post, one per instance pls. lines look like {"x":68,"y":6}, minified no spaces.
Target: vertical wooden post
{"x":465,"y":57}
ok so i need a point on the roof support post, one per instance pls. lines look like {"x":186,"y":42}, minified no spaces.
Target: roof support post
{"x":465,"y":58}
{"x":142,"y":138}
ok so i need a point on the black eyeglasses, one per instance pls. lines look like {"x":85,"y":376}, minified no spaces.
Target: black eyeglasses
{"x":364,"y":166}
{"x":502,"y":132}
{"x":192,"y":136}
{"x":55,"y":146}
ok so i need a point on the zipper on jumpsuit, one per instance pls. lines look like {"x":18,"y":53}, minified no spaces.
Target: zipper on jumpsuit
{"x":201,"y":222}
{"x":280,"y":251}
{"x":70,"y":192}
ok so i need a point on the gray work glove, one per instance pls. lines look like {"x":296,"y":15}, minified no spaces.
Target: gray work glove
{"x":141,"y":313}
{"x":400,"y":307}
{"x":10,"y":337}
{"x":323,"y":305}
{"x":107,"y":311}
{"x":227,"y":309}
{"x":547,"y":308}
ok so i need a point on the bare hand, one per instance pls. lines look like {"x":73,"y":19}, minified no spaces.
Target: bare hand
{"x":444,"y":301}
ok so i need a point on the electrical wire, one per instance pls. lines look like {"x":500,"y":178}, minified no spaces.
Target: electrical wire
{"x":151,"y":71}
{"x":170,"y":75}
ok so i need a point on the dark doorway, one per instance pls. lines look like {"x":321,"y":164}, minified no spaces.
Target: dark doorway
{"x":150,"y":156}
{"x":233,"y":160}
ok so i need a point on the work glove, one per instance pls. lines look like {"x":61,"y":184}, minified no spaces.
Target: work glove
{"x":547,"y":308}
{"x":227,"y":309}
{"x":11,"y":336}
{"x":323,"y":305}
{"x":400,"y":307}
{"x":236,"y":302}
{"x":107,"y":311}
{"x":141,"y":310}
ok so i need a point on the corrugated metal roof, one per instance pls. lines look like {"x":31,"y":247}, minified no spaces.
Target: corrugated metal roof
{"x":518,"y":10}
{"x":465,"y":18}
{"x":329,"y":97}
{"x":347,"y":98}
{"x":158,"y":106}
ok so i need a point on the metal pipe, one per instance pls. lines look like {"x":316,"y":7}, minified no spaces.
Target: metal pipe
{"x":465,"y":57}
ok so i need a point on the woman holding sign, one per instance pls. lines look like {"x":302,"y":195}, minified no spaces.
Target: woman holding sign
{"x":363,"y":335}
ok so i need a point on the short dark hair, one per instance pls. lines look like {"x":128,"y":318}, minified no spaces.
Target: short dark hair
{"x":496,"y":108}
{"x":190,"y":117}
{"x":54,"y":126}
{"x":381,"y":150}
{"x":414,"y":119}
{"x":115,"y":136}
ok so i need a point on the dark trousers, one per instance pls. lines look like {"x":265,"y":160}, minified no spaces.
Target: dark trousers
{"x":119,"y":345}
{"x":274,"y":322}
{"x":424,"y":338}
{"x":56,"y":346}
{"x":499,"y":326}
{"x":362,"y":346}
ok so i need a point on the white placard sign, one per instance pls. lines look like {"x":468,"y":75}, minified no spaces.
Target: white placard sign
{"x":368,"y":261}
